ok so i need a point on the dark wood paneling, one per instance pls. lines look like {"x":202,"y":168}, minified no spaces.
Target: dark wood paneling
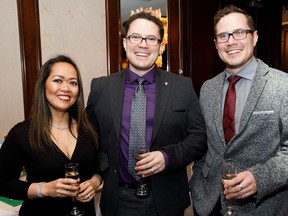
{"x":30,"y":48}
{"x":268,"y":21}
{"x":174,"y":39}
{"x":199,"y":53}
{"x":284,"y":56}
{"x":113,"y":36}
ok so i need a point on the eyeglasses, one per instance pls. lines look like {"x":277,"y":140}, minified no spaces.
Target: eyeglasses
{"x":237,"y":35}
{"x":137,"y":39}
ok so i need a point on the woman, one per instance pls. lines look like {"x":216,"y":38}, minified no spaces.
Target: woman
{"x":57,"y":133}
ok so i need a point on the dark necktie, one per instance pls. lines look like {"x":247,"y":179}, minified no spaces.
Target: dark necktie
{"x":229,"y":109}
{"x":137,"y":126}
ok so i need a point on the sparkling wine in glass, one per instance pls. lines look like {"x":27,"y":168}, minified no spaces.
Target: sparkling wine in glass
{"x":229,"y":171}
{"x":142,"y":189}
{"x":72,"y":171}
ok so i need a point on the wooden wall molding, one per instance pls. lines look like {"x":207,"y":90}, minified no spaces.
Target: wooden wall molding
{"x":30,"y":48}
{"x":113,"y":36}
{"x":174,"y":37}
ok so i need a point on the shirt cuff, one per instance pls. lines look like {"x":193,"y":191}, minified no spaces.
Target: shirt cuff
{"x":166,"y":159}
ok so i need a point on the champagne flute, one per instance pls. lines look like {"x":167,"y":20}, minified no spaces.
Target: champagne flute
{"x":229,"y":171}
{"x":72,"y":171}
{"x":142,"y":189}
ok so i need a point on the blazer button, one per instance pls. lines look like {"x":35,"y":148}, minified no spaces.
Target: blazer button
{"x":115,"y":171}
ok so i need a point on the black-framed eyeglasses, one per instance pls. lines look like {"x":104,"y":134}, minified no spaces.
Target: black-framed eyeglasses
{"x":239,"y":34}
{"x":137,"y":39}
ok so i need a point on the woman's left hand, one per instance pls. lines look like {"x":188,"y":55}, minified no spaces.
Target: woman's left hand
{"x":88,"y":189}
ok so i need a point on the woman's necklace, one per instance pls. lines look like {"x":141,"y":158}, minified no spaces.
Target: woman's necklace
{"x":60,"y":128}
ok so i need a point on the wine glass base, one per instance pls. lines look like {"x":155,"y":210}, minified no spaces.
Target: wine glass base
{"x":142,"y":191}
{"x":76,"y":213}
{"x":229,"y":212}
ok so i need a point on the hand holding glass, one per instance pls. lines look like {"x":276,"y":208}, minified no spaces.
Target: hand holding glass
{"x":72,"y":171}
{"x":229,"y":171}
{"x":142,"y":189}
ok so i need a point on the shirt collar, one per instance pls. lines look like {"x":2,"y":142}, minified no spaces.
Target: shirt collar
{"x":247,"y":72}
{"x":131,"y":77}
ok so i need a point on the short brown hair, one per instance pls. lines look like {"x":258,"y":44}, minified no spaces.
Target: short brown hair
{"x":233,"y":9}
{"x":148,"y":16}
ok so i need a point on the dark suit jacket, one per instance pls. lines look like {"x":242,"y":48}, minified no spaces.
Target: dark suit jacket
{"x":178,"y":129}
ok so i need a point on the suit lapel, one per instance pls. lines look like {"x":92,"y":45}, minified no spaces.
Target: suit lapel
{"x":217,"y":98}
{"x":116,"y":90}
{"x":163,"y":87}
{"x":254,"y":95}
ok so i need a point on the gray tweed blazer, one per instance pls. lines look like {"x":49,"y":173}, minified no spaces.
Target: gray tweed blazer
{"x":260,"y":146}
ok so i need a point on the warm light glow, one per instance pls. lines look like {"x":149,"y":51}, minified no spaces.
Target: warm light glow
{"x":156,"y":13}
{"x":159,"y":61}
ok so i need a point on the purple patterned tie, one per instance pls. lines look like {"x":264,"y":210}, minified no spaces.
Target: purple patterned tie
{"x":137,"y":135}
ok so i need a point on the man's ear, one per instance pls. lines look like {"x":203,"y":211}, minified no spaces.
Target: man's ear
{"x":162,"y":48}
{"x":215,"y":42}
{"x":124,"y":43}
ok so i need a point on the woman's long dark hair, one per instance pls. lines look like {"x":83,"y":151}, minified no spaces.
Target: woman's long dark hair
{"x":41,"y":117}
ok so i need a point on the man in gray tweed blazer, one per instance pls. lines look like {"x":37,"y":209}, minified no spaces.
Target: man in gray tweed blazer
{"x":260,"y":143}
